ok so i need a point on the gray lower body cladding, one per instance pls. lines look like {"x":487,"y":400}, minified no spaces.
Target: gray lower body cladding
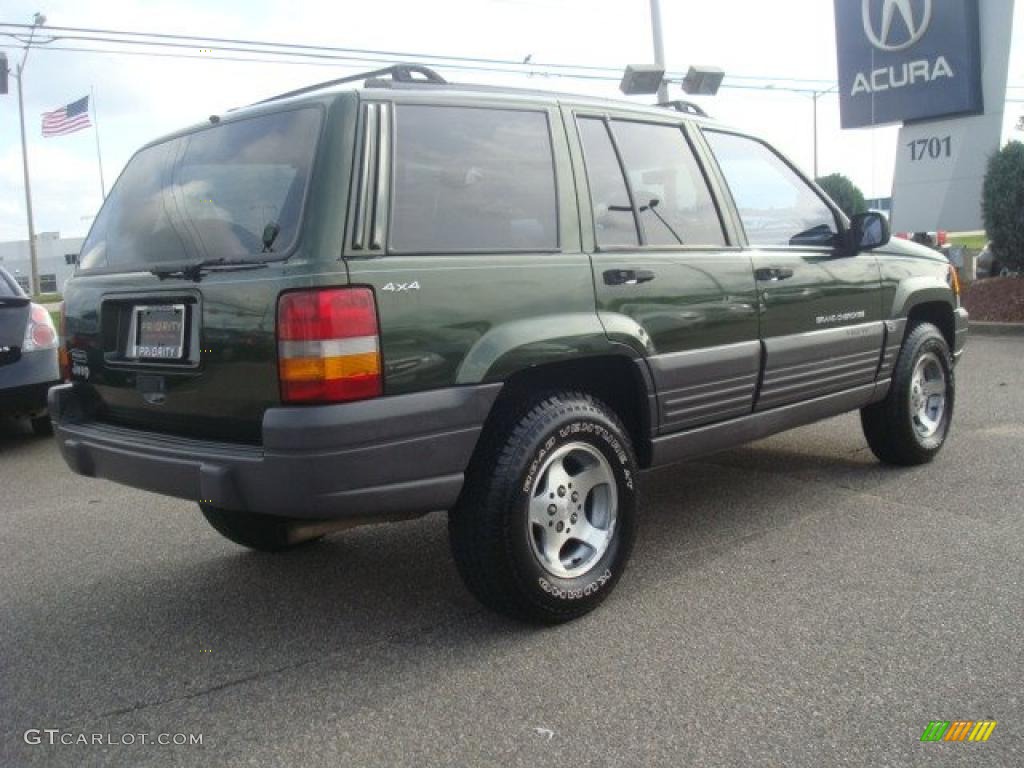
{"x":390,"y":457}
{"x":706,"y":385}
{"x":809,"y":365}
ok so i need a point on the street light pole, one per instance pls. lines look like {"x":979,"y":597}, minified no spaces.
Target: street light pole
{"x":659,"y":47}
{"x":33,"y":259}
{"x":815,"y":97}
{"x":37,"y":21}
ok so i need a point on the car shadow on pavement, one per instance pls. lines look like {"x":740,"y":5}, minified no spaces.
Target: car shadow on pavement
{"x":189,"y":611}
{"x":15,"y":433}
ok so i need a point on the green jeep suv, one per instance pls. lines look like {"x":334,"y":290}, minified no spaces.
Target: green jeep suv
{"x":367,"y":301}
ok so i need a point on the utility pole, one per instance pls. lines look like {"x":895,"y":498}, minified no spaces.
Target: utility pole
{"x":659,"y":47}
{"x":37,"y":21}
{"x":815,"y":97}
{"x":33,"y":258}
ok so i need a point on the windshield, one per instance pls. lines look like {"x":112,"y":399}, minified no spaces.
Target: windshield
{"x":233,"y":191}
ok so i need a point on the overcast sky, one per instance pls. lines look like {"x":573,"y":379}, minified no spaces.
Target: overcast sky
{"x":141,"y":98}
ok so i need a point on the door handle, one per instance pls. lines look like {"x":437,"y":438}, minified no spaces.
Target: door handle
{"x":772,"y":274}
{"x":627,"y":276}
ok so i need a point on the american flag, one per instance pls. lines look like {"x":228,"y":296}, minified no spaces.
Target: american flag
{"x":68,"y":119}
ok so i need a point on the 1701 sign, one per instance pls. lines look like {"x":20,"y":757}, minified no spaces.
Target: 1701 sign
{"x":933,"y":147}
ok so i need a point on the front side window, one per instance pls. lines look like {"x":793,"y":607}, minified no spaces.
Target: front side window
{"x":777,"y":207}
{"x":473,"y":179}
{"x":671,"y":194}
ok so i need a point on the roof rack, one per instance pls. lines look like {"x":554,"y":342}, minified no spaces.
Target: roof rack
{"x":399,"y":73}
{"x":687,"y":107}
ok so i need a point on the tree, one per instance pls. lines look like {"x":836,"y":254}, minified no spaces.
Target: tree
{"x":844,"y":193}
{"x":1002,"y":204}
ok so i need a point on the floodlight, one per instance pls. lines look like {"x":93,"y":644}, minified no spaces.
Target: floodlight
{"x":703,"y":81}
{"x":642,"y":78}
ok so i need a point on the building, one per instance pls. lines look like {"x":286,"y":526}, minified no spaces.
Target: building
{"x":54,"y":254}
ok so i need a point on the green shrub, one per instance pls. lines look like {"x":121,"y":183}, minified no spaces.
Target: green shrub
{"x":1002,"y":204}
{"x":844,"y":193}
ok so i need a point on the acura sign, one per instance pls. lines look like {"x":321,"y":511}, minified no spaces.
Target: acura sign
{"x":907,"y":60}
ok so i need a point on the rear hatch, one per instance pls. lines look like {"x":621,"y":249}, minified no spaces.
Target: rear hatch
{"x":170,"y":319}
{"x":14,"y":311}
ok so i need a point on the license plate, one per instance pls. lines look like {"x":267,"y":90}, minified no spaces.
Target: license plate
{"x":157,"y":332}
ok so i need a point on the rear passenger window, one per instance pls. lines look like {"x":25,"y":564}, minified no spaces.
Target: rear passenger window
{"x":614,"y":223}
{"x":669,"y":188}
{"x":471,"y":179}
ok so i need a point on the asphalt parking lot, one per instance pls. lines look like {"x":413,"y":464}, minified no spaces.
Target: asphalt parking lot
{"x":788,"y":603}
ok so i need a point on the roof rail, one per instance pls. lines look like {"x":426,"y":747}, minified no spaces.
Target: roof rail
{"x":687,"y":107}
{"x":399,"y":73}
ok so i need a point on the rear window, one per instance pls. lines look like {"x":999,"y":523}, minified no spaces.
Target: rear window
{"x":8,"y":287}
{"x":211,"y":194}
{"x":473,"y":179}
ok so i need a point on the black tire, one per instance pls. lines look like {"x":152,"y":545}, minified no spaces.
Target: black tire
{"x":42,"y":426}
{"x":495,"y":541}
{"x":260,"y":532}
{"x":889,"y":425}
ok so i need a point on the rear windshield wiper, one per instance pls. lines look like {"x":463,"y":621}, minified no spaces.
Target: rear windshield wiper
{"x":193,"y":270}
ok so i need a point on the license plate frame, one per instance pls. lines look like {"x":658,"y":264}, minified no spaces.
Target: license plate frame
{"x":159,"y":345}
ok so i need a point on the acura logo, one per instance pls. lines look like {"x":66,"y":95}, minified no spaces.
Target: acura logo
{"x":888,"y":33}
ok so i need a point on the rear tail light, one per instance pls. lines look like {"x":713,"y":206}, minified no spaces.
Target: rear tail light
{"x":328,"y":346}
{"x":39,"y":333}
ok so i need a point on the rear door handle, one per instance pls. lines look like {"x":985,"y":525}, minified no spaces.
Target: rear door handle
{"x":627,"y":276}
{"x":773,"y":274}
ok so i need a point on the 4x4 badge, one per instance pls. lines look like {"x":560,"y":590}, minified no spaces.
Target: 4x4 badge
{"x":401,"y":287}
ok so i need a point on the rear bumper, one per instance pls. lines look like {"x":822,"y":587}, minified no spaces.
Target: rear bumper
{"x":24,"y":384}
{"x":386,"y":458}
{"x":961,"y":323}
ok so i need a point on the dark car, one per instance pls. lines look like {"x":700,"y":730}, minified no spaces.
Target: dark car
{"x":28,"y":356}
{"x":364,"y":303}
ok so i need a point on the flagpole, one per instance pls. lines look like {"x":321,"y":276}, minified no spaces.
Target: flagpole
{"x":96,"y":131}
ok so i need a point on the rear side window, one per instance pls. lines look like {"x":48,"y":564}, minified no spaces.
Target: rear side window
{"x":776,"y":205}
{"x":212,"y":194}
{"x":473,"y":179}
{"x":614,"y":223}
{"x":670,"y":194}
{"x":669,"y":188}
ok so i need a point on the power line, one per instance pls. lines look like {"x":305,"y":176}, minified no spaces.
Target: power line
{"x":356,"y":54}
{"x":322,"y":55}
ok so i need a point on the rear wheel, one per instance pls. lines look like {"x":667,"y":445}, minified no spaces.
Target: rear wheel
{"x":910,"y":426}
{"x":546,"y":522}
{"x":42,"y":426}
{"x":260,"y":532}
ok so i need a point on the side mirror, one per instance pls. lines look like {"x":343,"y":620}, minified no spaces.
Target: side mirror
{"x":867,"y":231}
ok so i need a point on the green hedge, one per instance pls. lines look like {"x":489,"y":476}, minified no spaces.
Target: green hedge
{"x":1003,"y":204}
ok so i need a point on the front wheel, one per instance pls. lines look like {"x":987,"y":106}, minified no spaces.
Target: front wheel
{"x":546,"y":522}
{"x":910,"y":426}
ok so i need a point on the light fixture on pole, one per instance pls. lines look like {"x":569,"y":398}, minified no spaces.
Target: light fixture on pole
{"x":642,"y":79}
{"x":703,"y":81}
